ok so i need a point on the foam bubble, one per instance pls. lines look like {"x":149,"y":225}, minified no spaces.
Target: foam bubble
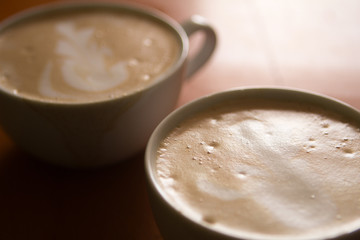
{"x":147,"y":42}
{"x":242,"y":174}
{"x":209,"y":219}
{"x":209,"y":149}
{"x":133,"y":62}
{"x":145,"y":77}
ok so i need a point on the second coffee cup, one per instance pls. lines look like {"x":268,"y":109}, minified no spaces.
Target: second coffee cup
{"x":85,"y":84}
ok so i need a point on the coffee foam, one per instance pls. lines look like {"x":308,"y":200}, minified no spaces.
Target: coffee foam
{"x":265,"y":169}
{"x":83,"y":53}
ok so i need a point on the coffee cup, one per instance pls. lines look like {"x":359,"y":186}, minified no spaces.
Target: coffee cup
{"x":257,"y":163}
{"x":85,"y":84}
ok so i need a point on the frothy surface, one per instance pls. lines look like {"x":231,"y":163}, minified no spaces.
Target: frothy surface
{"x":265,"y":169}
{"x":85,"y":56}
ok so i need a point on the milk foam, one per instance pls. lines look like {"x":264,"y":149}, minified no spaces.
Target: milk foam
{"x":84,"y":67}
{"x":85,"y":55}
{"x":268,"y":168}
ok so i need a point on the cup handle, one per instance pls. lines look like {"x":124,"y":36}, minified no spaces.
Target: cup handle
{"x":194,"y":24}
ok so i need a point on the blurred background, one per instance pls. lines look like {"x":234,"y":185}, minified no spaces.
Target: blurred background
{"x":307,"y":44}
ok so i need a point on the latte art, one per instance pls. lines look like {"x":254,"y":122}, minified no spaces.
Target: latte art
{"x":84,"y":67}
{"x":84,"y":56}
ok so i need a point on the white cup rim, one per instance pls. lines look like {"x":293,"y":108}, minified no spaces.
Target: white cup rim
{"x":172,"y":120}
{"x":149,"y":12}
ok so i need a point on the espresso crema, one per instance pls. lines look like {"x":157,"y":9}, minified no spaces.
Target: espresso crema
{"x":264,"y":169}
{"x":82,"y":56}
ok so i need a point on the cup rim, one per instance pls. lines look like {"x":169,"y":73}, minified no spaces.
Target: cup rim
{"x":136,"y":8}
{"x":202,"y":103}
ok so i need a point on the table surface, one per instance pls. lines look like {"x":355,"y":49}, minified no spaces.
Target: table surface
{"x":313,"y":45}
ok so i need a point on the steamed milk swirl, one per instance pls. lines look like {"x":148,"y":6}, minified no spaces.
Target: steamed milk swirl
{"x":264,"y":168}
{"x":84,"y":56}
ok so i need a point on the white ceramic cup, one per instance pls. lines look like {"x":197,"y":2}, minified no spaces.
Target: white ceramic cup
{"x":172,"y":221}
{"x":102,"y":132}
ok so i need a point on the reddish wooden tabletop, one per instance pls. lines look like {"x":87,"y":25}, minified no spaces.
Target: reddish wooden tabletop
{"x":313,"y":45}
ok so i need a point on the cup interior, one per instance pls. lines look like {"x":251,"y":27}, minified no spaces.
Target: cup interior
{"x":176,"y":117}
{"x":49,"y":10}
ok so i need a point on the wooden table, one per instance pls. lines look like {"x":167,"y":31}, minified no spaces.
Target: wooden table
{"x":314,"y":45}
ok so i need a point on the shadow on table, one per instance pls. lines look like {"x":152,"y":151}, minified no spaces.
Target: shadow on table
{"x":39,"y":201}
